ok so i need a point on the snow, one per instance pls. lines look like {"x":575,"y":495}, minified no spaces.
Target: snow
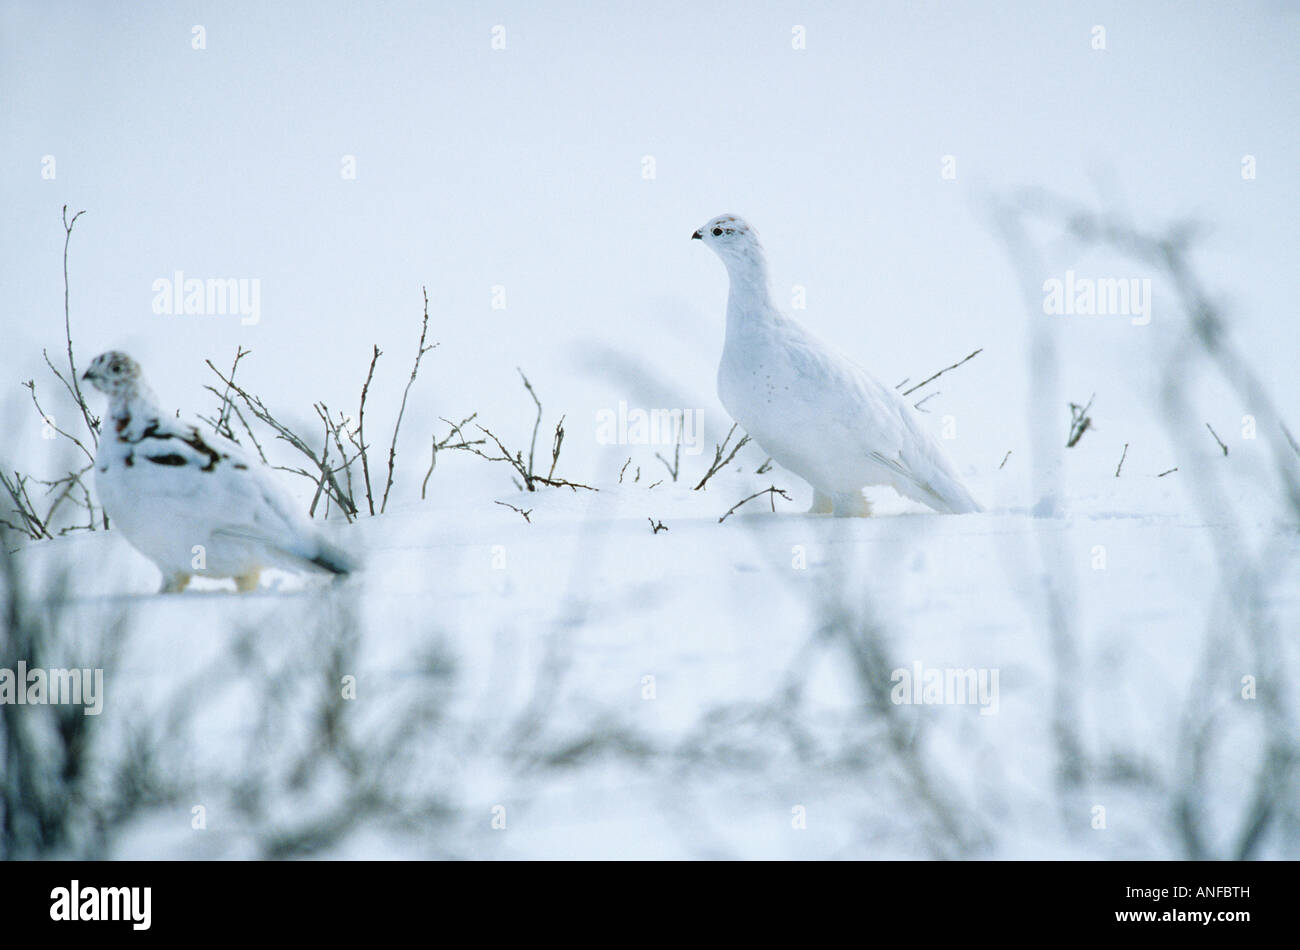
{"x":503,"y":663}
{"x":590,"y":602}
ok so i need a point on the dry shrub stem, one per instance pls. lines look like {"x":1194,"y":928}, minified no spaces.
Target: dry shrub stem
{"x":421,"y":349}
{"x":721,"y":461}
{"x":771,"y":491}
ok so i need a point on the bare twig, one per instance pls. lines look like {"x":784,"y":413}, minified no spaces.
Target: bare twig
{"x":32,"y":525}
{"x":526,"y":471}
{"x":1121,"y":460}
{"x":221,"y":425}
{"x":521,"y":511}
{"x":263,"y":414}
{"x":537,"y":423}
{"x":676,"y":467}
{"x":361,"y":420}
{"x":516,"y":461}
{"x":1295,"y":447}
{"x":771,"y":492}
{"x":656,"y":526}
{"x":65,"y":487}
{"x":419,"y":355}
{"x":719,"y":462}
{"x":555,"y":450}
{"x":252,"y":437}
{"x":71,"y":392}
{"x":918,"y":405}
{"x":1080,"y":422}
{"x":453,"y":431}
{"x":1167,"y":472}
{"x":324,"y":458}
{"x":1216,"y":438}
{"x":49,"y":421}
{"x":1004,"y":459}
{"x":92,"y":423}
{"x":908,"y":392}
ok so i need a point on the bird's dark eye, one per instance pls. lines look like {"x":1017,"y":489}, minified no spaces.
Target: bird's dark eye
{"x":717,"y":231}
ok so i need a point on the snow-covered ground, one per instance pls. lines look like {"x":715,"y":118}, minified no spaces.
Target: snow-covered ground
{"x":577,"y":684}
{"x":627,"y":693}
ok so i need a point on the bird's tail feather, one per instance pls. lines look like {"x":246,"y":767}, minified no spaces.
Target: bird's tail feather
{"x":333,"y":559}
{"x":309,"y":551}
{"x":941,"y":492}
{"x":956,"y":499}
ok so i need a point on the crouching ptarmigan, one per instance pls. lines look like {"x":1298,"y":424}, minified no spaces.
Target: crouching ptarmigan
{"x":810,"y":407}
{"x":194,"y":503}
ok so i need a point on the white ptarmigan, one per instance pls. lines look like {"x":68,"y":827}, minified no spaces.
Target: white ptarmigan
{"x":812,"y":409}
{"x":194,"y":504}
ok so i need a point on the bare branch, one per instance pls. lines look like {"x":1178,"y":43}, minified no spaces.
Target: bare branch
{"x":33,"y":527}
{"x":918,"y":405}
{"x":675,"y":469}
{"x":525,"y":470}
{"x":771,"y":492}
{"x":222,"y":424}
{"x":92,"y":426}
{"x":520,"y":510}
{"x":719,"y":462}
{"x":555,"y":450}
{"x":49,"y":421}
{"x":1216,"y":438}
{"x":261,"y":413}
{"x":1080,"y":422}
{"x":421,"y":349}
{"x":516,"y":461}
{"x":361,"y":419}
{"x":908,"y":392}
{"x":532,"y":445}
{"x":454,"y":430}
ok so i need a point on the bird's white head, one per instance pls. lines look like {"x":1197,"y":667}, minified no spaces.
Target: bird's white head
{"x":114,"y":373}
{"x":731,"y":238}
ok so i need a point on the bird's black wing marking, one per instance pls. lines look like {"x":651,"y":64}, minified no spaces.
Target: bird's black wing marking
{"x":170,"y":458}
{"x":190,"y":437}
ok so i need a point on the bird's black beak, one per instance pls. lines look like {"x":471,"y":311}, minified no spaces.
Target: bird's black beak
{"x":86,"y":375}
{"x":696,"y":236}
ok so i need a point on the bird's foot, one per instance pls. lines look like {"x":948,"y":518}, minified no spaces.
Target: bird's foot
{"x":246,"y":582}
{"x":852,"y":505}
{"x":174,"y":584}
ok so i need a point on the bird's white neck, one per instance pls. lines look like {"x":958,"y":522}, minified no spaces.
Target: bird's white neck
{"x":130,"y":412}
{"x":749,"y":301}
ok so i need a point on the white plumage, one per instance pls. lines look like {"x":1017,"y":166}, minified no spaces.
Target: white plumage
{"x":194,"y":503}
{"x":812,"y":409}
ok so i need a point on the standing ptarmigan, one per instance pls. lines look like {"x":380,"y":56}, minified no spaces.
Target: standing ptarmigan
{"x":194,"y":503}
{"x":811,"y":408}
